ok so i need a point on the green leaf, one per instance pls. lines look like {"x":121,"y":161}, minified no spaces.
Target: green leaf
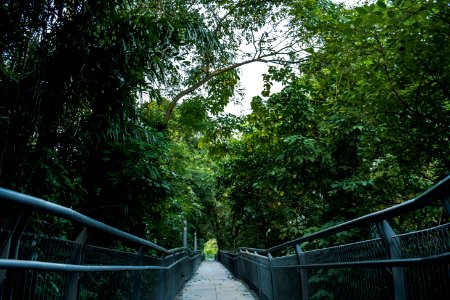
{"x":281,"y":156}
{"x":361,"y":10}
{"x":381,"y":4}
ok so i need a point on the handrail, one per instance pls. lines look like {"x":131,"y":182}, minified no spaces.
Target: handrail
{"x":49,"y":266}
{"x":70,"y":214}
{"x":385,"y":267}
{"x":23,"y":254}
{"x":421,"y":201}
{"x":385,"y":263}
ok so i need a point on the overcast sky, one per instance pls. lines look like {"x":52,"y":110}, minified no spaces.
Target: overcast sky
{"x":252,"y":85}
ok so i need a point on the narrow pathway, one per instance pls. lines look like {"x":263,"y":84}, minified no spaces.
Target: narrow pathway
{"x":213,"y":282}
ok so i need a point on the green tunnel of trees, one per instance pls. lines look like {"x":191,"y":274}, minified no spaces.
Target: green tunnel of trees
{"x":116,"y":109}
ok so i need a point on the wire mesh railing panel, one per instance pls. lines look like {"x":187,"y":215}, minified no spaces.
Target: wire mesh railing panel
{"x":350,"y":284}
{"x":36,"y":284}
{"x":287,"y":281}
{"x":180,"y":275}
{"x":94,"y":255}
{"x":360,"y":251}
{"x":411,"y":266}
{"x":32,"y":284}
{"x":239,"y":268}
{"x":151,"y":261}
{"x":179,"y":256}
{"x":254,"y":284}
{"x":169,"y":285}
{"x":432,"y":241}
{"x":36,"y":266}
{"x":264,"y":277}
{"x":248,"y":270}
{"x":427,"y":282}
{"x":151,"y":284}
{"x":106,"y":285}
{"x":43,"y":248}
{"x":229,"y":261}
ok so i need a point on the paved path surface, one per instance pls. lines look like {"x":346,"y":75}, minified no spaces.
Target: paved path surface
{"x":213,"y":282}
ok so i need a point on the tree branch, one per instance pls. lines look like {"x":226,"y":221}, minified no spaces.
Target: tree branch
{"x":204,"y":80}
{"x":260,"y":58}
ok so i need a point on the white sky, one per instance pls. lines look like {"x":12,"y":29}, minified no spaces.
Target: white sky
{"x":252,"y":84}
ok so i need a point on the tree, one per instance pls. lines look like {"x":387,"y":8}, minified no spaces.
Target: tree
{"x":70,"y":121}
{"x":358,"y":129}
{"x":210,"y":249}
{"x":209,"y":69}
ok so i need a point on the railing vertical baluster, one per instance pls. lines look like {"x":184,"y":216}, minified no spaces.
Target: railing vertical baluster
{"x":387,"y":234}
{"x":303,"y":273}
{"x":273,"y":278}
{"x":72,"y":290}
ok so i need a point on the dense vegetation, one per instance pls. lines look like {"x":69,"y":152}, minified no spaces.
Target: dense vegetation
{"x":114,"y":108}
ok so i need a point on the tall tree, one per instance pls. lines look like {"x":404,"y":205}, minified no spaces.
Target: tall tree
{"x":364,"y":124}
{"x":70,"y":124}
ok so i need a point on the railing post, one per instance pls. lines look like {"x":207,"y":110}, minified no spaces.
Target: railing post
{"x":195,"y":242}
{"x":185,"y":244}
{"x":387,"y":234}
{"x":273,"y":278}
{"x":303,"y":273}
{"x":72,"y":290}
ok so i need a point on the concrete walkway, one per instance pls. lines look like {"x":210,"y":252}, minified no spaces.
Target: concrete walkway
{"x":213,"y":282}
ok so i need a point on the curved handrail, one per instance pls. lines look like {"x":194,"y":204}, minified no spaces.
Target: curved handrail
{"x":441,"y":188}
{"x":384,"y":263}
{"x":61,"y":267}
{"x":70,"y":214}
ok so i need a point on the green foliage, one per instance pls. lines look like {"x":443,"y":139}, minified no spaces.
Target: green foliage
{"x":220,"y":90}
{"x":210,"y":249}
{"x":70,"y":125}
{"x":363,"y":126}
{"x":361,"y":123}
{"x":193,"y":115}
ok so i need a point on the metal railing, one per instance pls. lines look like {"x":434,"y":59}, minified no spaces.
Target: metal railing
{"x":380,"y":265}
{"x":35,"y":266}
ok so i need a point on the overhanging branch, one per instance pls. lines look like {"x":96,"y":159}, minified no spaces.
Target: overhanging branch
{"x":260,"y":58}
